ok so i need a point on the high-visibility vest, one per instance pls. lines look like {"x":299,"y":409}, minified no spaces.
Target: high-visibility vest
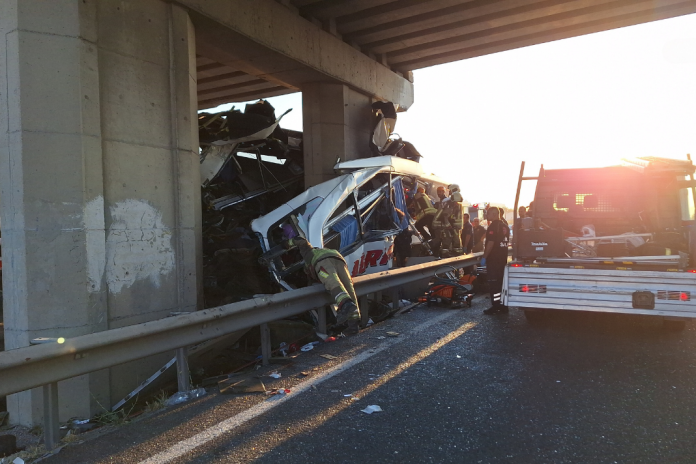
{"x":441,"y":219}
{"x":456,"y":214}
{"x":312,"y":256}
{"x":423,"y":205}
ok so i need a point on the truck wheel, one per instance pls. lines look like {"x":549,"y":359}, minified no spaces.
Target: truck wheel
{"x":534,"y":316}
{"x":673,"y":326}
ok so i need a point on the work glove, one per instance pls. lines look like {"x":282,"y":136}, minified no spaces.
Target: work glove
{"x":483,"y":262}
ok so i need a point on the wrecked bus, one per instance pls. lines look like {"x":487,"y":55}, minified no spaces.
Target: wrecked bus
{"x":358,"y":213}
{"x":617,"y":239}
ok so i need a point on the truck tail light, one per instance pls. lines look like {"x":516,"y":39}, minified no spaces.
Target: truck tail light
{"x":516,"y":265}
{"x":525,"y":288}
{"x":673,"y":295}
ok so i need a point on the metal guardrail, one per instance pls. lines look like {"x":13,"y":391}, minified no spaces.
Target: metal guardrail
{"x":44,"y":365}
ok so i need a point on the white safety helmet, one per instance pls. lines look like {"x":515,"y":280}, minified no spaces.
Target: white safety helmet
{"x":453,"y":187}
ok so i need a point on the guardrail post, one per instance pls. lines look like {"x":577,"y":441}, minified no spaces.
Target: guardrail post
{"x":265,"y":344}
{"x":394,"y":295}
{"x":364,"y":310}
{"x":321,"y":319}
{"x":50,"y":419}
{"x":182,"y":369}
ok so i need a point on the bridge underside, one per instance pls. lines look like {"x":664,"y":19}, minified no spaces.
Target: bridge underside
{"x":405,"y":35}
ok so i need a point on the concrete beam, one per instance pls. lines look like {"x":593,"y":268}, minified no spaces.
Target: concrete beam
{"x":590,"y":11}
{"x":335,"y":8}
{"x":483,"y":18}
{"x":337,"y":125}
{"x":410,"y":13}
{"x":485,"y":47}
{"x":266,"y":39}
{"x":100,"y":180}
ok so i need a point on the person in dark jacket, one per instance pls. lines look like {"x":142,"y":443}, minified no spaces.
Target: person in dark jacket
{"x":495,"y":258}
{"x":479,"y":235}
{"x":328,"y":267}
{"x":467,"y":235}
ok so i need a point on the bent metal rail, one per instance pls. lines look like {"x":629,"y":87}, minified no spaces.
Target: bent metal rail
{"x":34,"y":366}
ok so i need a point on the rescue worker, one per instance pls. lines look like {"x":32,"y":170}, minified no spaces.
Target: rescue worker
{"x":479,"y":235}
{"x":424,"y":212}
{"x":495,"y":258}
{"x":456,"y":220}
{"x":328,"y":267}
{"x":440,"y":222}
{"x":467,"y":235}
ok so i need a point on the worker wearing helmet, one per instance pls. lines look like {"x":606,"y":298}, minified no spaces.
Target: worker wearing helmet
{"x":328,"y":267}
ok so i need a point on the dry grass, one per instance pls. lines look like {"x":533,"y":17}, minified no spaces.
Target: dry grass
{"x":158,"y":402}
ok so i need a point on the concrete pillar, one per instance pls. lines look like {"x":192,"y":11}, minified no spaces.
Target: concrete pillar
{"x":336,"y":124}
{"x":99,"y":179}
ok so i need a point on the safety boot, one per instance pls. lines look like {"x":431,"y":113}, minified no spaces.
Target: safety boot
{"x":347,"y":310}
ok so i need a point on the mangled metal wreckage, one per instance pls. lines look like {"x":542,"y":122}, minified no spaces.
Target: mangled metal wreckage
{"x":358,"y":213}
{"x":252,"y":177}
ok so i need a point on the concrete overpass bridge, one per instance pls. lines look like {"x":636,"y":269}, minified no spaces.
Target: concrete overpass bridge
{"x":99,"y":168}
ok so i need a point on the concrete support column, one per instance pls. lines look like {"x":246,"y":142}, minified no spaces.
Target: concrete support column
{"x":99,"y":179}
{"x":336,"y":124}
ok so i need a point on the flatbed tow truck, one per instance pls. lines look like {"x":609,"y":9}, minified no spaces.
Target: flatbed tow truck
{"x":619,"y":239}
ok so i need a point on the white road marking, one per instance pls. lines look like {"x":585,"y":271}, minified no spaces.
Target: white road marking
{"x":183,"y":447}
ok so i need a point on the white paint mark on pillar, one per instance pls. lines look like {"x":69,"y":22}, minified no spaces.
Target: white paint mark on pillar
{"x":138,"y":246}
{"x":93,"y":222}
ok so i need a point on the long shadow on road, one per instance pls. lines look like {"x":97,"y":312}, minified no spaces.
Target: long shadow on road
{"x":578,"y":388}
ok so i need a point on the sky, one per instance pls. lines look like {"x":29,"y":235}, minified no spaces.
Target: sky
{"x":580,"y":102}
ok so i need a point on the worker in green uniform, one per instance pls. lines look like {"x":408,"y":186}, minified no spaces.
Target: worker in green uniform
{"x":424,"y":212}
{"x":456,"y":219}
{"x":328,"y":267}
{"x":439,"y":224}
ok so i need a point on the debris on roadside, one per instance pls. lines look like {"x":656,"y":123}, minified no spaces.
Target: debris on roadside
{"x":308,"y":346}
{"x":275,"y":375}
{"x":371,"y":408}
{"x":277,"y":392}
{"x":182,"y":397}
{"x":328,"y":356}
{"x":81,"y":426}
{"x":393,"y":334}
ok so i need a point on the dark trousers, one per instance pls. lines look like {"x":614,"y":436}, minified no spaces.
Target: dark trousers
{"x":495,"y":270}
{"x":426,"y":220}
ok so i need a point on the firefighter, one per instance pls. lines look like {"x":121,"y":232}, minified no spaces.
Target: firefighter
{"x":440,"y":222}
{"x":456,"y":219}
{"x":495,"y":258}
{"x":328,"y":267}
{"x":424,"y":212}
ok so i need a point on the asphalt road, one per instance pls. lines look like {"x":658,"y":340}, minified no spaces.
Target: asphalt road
{"x":454,"y":386}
